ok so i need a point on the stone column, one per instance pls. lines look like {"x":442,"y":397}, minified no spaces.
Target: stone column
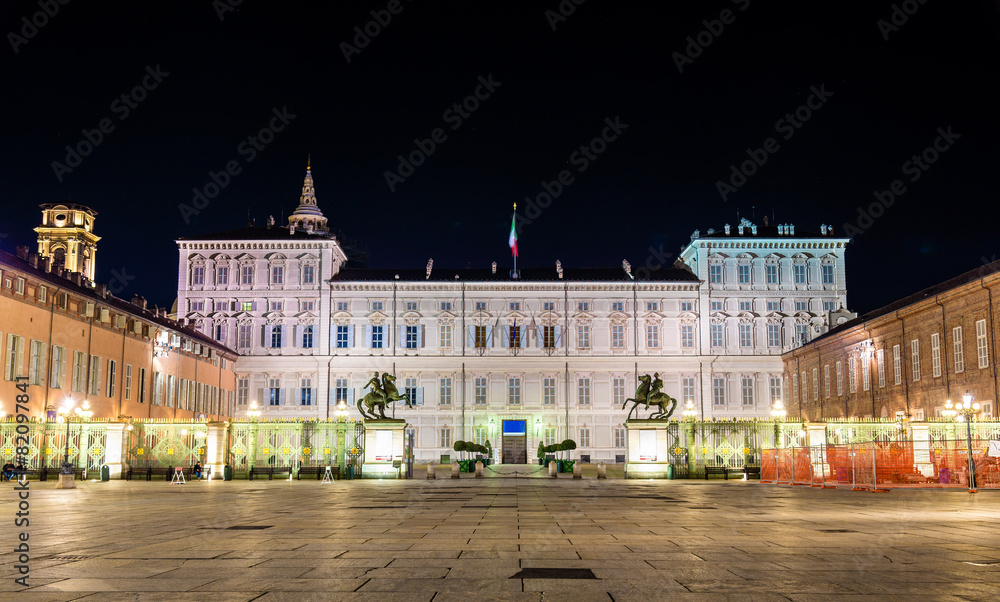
{"x":215,"y":448}
{"x":114,"y":445}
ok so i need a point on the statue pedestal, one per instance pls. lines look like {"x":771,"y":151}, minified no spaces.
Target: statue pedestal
{"x":383,"y":445}
{"x":646,"y":452}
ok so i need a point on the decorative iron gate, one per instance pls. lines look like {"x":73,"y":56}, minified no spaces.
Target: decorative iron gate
{"x":158,"y":443}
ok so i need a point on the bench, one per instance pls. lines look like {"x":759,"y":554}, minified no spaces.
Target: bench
{"x":28,"y":472}
{"x":318,"y":471}
{"x":750,"y":471}
{"x":270,"y":471}
{"x":717,"y":470}
{"x":167,"y":472}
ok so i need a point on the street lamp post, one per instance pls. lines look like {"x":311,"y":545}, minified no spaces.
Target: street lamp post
{"x":966,"y":411}
{"x":341,"y":435}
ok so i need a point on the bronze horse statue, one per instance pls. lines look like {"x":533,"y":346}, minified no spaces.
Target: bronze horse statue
{"x":382,"y":394}
{"x":643,"y":396}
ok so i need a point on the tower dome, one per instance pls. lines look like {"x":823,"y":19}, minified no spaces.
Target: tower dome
{"x":307,"y":216}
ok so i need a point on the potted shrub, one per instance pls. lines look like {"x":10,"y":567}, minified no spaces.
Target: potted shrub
{"x":460,"y":447}
{"x":568,"y":445}
{"x":541,"y":454}
{"x":489,"y":453}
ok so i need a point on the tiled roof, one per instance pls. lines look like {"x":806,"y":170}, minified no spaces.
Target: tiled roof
{"x":504,"y":275}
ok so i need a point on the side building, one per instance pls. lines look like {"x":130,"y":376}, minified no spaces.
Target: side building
{"x":906,"y":359}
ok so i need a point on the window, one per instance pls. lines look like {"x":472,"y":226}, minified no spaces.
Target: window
{"x":840,"y":379}
{"x":340,"y":390}
{"x":58,"y":366}
{"x":277,"y":305}
{"x":480,"y":306}
{"x":959,"y":349}
{"x":743,"y":274}
{"x":617,"y":306}
{"x":550,"y":435}
{"x":827,"y":274}
{"x":275,"y":337}
{"x":548,"y":391}
{"x":197,"y":306}
{"x":687,"y":389}
{"x":246,"y":275}
{"x":619,"y":436}
{"x":805,"y":387}
{"x":618,"y":391}
{"x":582,"y":306}
{"x":795,"y":387}
{"x":128,"y":382}
{"x":584,"y":437}
{"x":222,"y":275}
{"x":182,"y":400}
{"x":141,"y":397}
{"x":717,"y":305}
{"x":866,"y":373}
{"x":377,"y":305}
{"x":307,"y":337}
{"x":444,"y":305}
{"x":342,"y":337}
{"x":274,"y":392}
{"x":444,"y":391}
{"x":617,"y":336}
{"x":548,"y":306}
{"x":687,"y":305}
{"x":652,"y":336}
{"x":936,"y":354}
{"x":801,"y":306}
{"x":278,"y":274}
{"x":852,"y":375}
{"x":157,"y":388}
{"x":583,"y":336}
{"x":583,"y":390}
{"x":412,"y":337}
{"x":242,"y":391}
{"x":897,"y":365}
{"x":307,"y":306}
{"x":170,"y":391}
{"x":514,"y":391}
{"x":828,"y":306}
{"x":198,"y":275}
{"x":79,"y":359}
{"x":652,"y":306}
{"x":481,"y":336}
{"x":718,"y":338}
{"x":815,"y":384}
{"x":746,"y":305}
{"x":515,"y":336}
{"x":715,"y":274}
{"x":14,"y":357}
{"x":411,"y":306}
{"x":94,"y":382}
{"x":746,"y":390}
{"x":718,"y":391}
{"x":771,"y":274}
{"x":687,"y":336}
{"x":445,"y":441}
{"x":981,"y":349}
{"x":746,"y":336}
{"x":826,"y":381}
{"x":308,"y":274}
{"x":799,"y":272}
{"x":880,"y":359}
{"x":43,"y":294}
{"x":343,"y":305}
{"x":247,"y":305}
{"x":774,"y":386}
{"x":244,"y":332}
{"x":549,"y":337}
{"x":444,"y":329}
{"x":305,"y":392}
{"x":378,"y":338}
{"x":774,"y":335}
{"x":36,"y":363}
{"x":514,"y":306}
{"x":479,"y":390}
{"x":802,"y":333}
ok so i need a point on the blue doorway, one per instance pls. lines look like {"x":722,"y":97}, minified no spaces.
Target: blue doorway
{"x":514,"y":438}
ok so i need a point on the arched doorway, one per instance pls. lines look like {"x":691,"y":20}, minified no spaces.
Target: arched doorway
{"x":514,"y":439}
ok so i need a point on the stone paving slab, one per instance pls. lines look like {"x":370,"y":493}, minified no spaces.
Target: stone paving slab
{"x":642,"y":540}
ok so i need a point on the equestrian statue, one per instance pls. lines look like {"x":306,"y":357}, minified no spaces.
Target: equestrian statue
{"x":650,"y":395}
{"x":383,"y":392}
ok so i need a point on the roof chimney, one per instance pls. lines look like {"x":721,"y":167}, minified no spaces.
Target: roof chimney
{"x":139,"y":301}
{"x":22,"y":253}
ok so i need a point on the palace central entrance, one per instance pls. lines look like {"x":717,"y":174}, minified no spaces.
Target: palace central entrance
{"x":515,"y":442}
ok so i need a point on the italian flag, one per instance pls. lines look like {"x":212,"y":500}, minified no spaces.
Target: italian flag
{"x":512,"y":240}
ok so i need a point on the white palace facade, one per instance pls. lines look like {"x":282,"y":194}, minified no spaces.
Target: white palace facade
{"x":550,"y":351}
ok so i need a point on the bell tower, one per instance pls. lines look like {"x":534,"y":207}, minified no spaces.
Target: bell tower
{"x":307,"y":216}
{"x":66,"y":236}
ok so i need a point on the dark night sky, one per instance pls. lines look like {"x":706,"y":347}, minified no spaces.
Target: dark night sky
{"x":653,"y":186}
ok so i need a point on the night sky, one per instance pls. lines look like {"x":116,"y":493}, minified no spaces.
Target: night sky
{"x":220,"y":79}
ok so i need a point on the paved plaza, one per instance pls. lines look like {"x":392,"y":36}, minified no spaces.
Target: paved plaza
{"x":501,"y":538}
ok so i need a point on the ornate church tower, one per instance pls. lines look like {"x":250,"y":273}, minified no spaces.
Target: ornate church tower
{"x":67,"y":237}
{"x":307,"y":215}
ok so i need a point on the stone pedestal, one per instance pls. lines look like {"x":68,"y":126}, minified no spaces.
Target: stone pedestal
{"x":65,"y":482}
{"x":383,"y":445}
{"x":577,"y":470}
{"x":602,"y":471}
{"x":646,"y":454}
{"x":552,"y":469}
{"x":430,"y":471}
{"x":215,"y":449}
{"x":113,"y":445}
{"x":479,"y":470}
{"x":456,"y":470}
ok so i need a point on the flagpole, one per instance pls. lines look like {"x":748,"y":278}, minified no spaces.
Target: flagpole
{"x":515,"y":233}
